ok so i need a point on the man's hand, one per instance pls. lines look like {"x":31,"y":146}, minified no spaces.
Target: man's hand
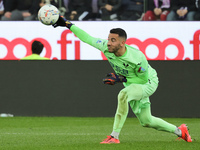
{"x":26,"y":14}
{"x":72,"y":15}
{"x":8,"y":14}
{"x":62,"y":22}
{"x":108,"y":7}
{"x":182,"y":12}
{"x":113,"y":78}
{"x":157,"y":11}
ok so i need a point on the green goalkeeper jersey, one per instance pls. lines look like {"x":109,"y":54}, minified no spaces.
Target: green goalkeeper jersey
{"x":34,"y":57}
{"x":133,"y":64}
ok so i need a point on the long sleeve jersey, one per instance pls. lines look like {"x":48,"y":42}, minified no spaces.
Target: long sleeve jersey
{"x":133,"y":64}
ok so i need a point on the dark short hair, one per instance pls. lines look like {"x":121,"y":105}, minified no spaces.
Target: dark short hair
{"x":120,"y":32}
{"x":37,"y":47}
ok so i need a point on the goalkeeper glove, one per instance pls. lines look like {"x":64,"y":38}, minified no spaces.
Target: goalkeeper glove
{"x":63,"y":22}
{"x":113,"y":78}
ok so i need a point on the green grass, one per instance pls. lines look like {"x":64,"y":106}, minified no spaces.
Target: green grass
{"x":75,"y":133}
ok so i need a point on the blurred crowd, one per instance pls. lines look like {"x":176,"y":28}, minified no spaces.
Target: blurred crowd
{"x":106,"y":10}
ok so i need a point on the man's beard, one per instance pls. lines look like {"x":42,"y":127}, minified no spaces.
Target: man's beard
{"x":115,"y":49}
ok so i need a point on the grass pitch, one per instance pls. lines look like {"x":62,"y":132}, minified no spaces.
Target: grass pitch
{"x":79,"y":133}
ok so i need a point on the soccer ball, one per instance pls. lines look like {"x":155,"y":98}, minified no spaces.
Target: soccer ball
{"x":48,"y":14}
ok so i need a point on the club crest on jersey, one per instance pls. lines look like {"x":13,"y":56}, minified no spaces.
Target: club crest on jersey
{"x":141,"y":70}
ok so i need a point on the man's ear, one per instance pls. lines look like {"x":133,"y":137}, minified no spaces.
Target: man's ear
{"x":123,"y":42}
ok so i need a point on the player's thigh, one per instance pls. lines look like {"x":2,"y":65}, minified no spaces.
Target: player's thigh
{"x":139,"y":91}
{"x":149,"y":88}
{"x":133,"y":92}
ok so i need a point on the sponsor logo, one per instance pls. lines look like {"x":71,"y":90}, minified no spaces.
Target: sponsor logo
{"x":76,"y":44}
{"x":10,"y":55}
{"x":142,"y":45}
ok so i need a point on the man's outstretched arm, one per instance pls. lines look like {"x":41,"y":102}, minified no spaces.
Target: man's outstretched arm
{"x":82,"y":35}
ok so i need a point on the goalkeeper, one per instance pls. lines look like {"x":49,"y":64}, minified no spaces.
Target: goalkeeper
{"x":139,"y":78}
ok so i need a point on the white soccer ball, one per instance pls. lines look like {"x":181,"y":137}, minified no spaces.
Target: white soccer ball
{"x":48,"y":14}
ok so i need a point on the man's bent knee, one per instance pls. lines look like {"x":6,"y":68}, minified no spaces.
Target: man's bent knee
{"x":135,"y":92}
{"x":146,"y":124}
{"x":122,"y":103}
{"x":122,"y":97}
